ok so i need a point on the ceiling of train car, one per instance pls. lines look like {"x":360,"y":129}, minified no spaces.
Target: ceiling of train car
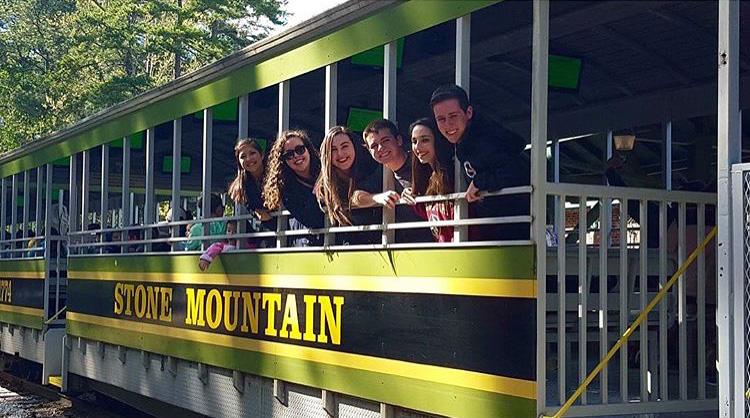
{"x":629,"y":52}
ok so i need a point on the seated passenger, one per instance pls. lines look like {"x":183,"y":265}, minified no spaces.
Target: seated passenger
{"x":216,"y":248}
{"x":347,"y":180}
{"x":491,"y":157}
{"x":245,"y":188}
{"x":217,"y":227}
{"x":432,"y":174}
{"x":293,"y":167}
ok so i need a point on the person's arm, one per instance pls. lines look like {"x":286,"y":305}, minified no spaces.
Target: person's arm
{"x":363,"y":199}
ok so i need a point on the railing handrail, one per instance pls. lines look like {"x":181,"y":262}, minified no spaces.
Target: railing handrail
{"x":630,"y":193}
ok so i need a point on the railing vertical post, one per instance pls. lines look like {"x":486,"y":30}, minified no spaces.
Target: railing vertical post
{"x":539,"y":67}
{"x":583,"y":290}
{"x":561,"y":295}
{"x":176,"y":175}
{"x":701,"y":302}
{"x":604,"y":223}
{"x":731,"y":384}
{"x":624,"y":294}
{"x":208,"y":138}
{"x":148,"y":206}
{"x":643,"y":293}
{"x":389,"y":112}
{"x":463,"y":79}
{"x":682,"y":301}
{"x":663,"y":371}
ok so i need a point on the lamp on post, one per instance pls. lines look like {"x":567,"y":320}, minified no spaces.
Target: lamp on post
{"x":624,"y":142}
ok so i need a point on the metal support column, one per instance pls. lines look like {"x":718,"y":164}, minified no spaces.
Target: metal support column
{"x":731,"y":384}
{"x":104,"y":189}
{"x":47,"y":233}
{"x":149,"y":210}
{"x":13,"y":210}
{"x":3,"y":209}
{"x":73,"y":194}
{"x":26,"y":201}
{"x":389,"y":112}
{"x":284,"y":88}
{"x":667,"y":162}
{"x":176,"y":175}
{"x":125,"y":216}
{"x":208,"y":136}
{"x":38,"y":231}
{"x":463,"y":78}
{"x":331,"y":119}
{"x":243,"y":131}
{"x":85,"y":188}
{"x":539,"y":68}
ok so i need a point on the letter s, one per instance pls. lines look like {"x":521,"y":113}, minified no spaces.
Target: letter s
{"x":118,"y":299}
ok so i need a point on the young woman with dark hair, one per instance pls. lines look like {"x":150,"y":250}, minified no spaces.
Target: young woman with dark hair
{"x":293,"y":167}
{"x":432,"y":171}
{"x":245,"y":188}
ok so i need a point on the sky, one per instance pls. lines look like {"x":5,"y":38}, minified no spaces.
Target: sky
{"x":301,"y":10}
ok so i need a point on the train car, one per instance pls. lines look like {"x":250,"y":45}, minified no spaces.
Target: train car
{"x":617,"y":98}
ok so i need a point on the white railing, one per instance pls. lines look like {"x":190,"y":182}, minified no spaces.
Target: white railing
{"x":97,"y":242}
{"x":612,"y":268}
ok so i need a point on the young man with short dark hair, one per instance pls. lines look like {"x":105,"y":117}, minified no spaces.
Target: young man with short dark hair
{"x":490,"y":156}
{"x":385,"y":145}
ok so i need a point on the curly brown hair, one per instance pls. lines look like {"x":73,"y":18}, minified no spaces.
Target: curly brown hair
{"x":334,"y":188}
{"x":237,"y":187}
{"x":278,"y":171}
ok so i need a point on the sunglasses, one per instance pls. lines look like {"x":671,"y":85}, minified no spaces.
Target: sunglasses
{"x":298,"y":150}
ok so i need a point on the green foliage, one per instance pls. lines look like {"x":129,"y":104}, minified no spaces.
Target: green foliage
{"x":63,"y":60}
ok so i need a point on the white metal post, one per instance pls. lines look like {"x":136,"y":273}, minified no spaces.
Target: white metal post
{"x":104,"y":189}
{"x":13,"y":210}
{"x":125,"y":217}
{"x":73,"y":194}
{"x":26,"y":201}
{"x":208,"y":137}
{"x":3,"y":209}
{"x":539,"y":68}
{"x":243,"y":131}
{"x":667,"y":155}
{"x":331,"y":119}
{"x":48,"y":232}
{"x":390,"y":56}
{"x":177,"y":173}
{"x":38,"y":203}
{"x":148,"y":205}
{"x":85,"y":188}
{"x":463,"y":78}
{"x":731,"y":385}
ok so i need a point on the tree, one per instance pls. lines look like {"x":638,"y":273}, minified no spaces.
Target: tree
{"x":62,"y":60}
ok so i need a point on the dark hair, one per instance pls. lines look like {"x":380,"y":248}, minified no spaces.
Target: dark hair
{"x":215,"y":203}
{"x":237,"y":190}
{"x":378,"y":124}
{"x":278,"y":171}
{"x":433,"y":179}
{"x":450,"y":91}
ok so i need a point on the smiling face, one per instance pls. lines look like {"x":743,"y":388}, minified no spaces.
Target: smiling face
{"x":385,"y":148}
{"x":250,"y":159}
{"x":451,"y":119}
{"x":342,"y":152}
{"x":423,"y":144}
{"x":300,"y":164}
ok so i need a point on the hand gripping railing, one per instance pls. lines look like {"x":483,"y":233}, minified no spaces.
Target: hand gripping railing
{"x":631,"y":329}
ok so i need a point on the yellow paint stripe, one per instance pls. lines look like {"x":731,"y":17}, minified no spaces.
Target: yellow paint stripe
{"x":463,"y":378}
{"x":22,"y":274}
{"x":519,"y":288}
{"x":21,"y":310}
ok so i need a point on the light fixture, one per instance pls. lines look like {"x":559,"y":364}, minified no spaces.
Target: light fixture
{"x":624,"y":142}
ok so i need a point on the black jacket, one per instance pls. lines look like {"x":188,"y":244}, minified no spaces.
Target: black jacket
{"x":492,"y":156}
{"x":300,"y":201}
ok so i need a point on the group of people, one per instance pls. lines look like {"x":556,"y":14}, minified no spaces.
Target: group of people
{"x":342,"y":183}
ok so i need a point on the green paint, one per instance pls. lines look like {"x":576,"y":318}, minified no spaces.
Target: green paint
{"x":22,"y":320}
{"x":435,"y":398}
{"x":226,"y":111}
{"x":495,"y":262}
{"x":185,"y":164}
{"x":387,"y":25}
{"x":136,"y":141}
{"x":359,"y":118}
{"x":376,"y":57}
{"x":34,"y":265}
{"x":564,"y":72}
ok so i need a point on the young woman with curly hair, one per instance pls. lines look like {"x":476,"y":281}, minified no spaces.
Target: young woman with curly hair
{"x":293,"y":167}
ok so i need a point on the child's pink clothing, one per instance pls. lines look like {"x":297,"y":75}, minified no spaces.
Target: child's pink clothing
{"x":215,"y":249}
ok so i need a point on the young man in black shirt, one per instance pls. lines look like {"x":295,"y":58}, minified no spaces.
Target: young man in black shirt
{"x":491,"y":158}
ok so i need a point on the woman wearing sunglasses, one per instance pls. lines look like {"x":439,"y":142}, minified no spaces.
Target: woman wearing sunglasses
{"x":293,"y":167}
{"x":431,"y":175}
